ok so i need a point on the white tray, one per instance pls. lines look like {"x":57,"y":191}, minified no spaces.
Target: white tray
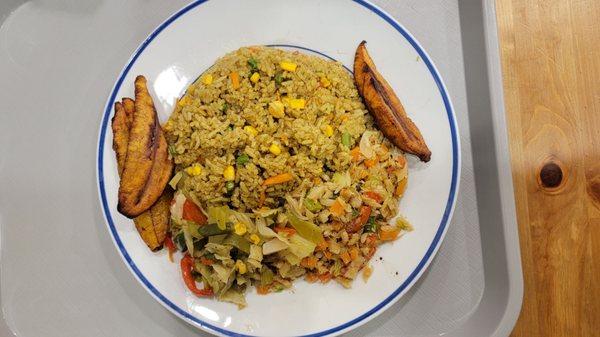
{"x":59,"y":272}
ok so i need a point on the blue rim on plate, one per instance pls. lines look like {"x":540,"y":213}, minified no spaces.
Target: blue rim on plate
{"x":386,"y":302}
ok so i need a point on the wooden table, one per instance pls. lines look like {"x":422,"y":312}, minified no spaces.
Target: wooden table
{"x":551,"y":67}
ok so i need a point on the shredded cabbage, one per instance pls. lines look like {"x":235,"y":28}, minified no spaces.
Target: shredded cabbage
{"x":187,"y":235}
{"x":255,"y":253}
{"x":234,"y":296}
{"x":365,"y":145}
{"x":219,"y":215}
{"x":221,"y":252}
{"x":273,"y":246}
{"x":265,"y":212}
{"x":176,"y":178}
{"x":341,"y":180}
{"x":301,"y":247}
{"x":306,"y":229}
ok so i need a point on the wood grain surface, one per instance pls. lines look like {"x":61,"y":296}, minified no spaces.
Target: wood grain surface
{"x":550,"y":52}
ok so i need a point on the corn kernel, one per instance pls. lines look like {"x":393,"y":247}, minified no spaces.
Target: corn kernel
{"x":239,"y":228}
{"x":255,"y":239}
{"x":297,"y":103}
{"x":276,"y":109}
{"x":324,"y":82}
{"x":275,"y":149}
{"x":194,"y":170}
{"x":183,"y":101}
{"x":288,"y":66}
{"x":250,"y":130}
{"x":241,"y":267}
{"x":229,"y":173}
{"x":255,"y":77}
{"x":328,"y":130}
{"x":207,"y":79}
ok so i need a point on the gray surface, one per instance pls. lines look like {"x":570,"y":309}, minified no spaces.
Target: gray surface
{"x":60,"y":273}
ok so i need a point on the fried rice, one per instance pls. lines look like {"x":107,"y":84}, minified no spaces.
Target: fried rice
{"x":280,"y":156}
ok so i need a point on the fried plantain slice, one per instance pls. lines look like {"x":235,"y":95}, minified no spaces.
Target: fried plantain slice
{"x":129,"y":106}
{"x":153,"y":224}
{"x":147,"y":167}
{"x":386,"y":108}
{"x":161,"y":214}
{"x":120,"y":135}
{"x":145,"y":227}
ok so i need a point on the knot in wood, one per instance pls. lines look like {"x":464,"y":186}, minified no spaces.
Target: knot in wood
{"x":551,"y":175}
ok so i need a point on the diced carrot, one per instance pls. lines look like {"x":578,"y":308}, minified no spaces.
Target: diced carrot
{"x":312,"y":277}
{"x":355,"y":153}
{"x":354,"y":253}
{"x":192,"y":212}
{"x":309,"y":262}
{"x":371,"y":240}
{"x":324,"y":278}
{"x":206,"y":262}
{"x":401,"y":187}
{"x":327,"y":254}
{"x":322,"y":245}
{"x":317,"y":181}
{"x":278,"y":179}
{"x":371,"y":252}
{"x":388,"y":233}
{"x":345,"y":257}
{"x":262,"y":290}
{"x":401,"y":161}
{"x":371,"y":162}
{"x":374,"y":195}
{"x":336,"y":208}
{"x":262,"y":197}
{"x":357,"y":223}
{"x":287,"y":231}
{"x":235,"y":80}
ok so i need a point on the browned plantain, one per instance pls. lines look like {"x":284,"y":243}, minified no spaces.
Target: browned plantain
{"x":145,"y":227}
{"x":386,"y":108}
{"x":153,"y":224}
{"x":147,"y":167}
{"x":129,"y":106}
{"x":161,"y":214}
{"x":120,"y":130}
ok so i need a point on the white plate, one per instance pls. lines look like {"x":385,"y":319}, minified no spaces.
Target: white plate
{"x":188,"y":43}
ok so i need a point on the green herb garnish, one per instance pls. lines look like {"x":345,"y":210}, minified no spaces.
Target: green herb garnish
{"x":225,"y":107}
{"x":253,"y":64}
{"x":371,"y":225}
{"x":278,"y":79}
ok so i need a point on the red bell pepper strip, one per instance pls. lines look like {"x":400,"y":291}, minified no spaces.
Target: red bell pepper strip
{"x":187,"y":264}
{"x":192,"y":212}
{"x":170,"y":246}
